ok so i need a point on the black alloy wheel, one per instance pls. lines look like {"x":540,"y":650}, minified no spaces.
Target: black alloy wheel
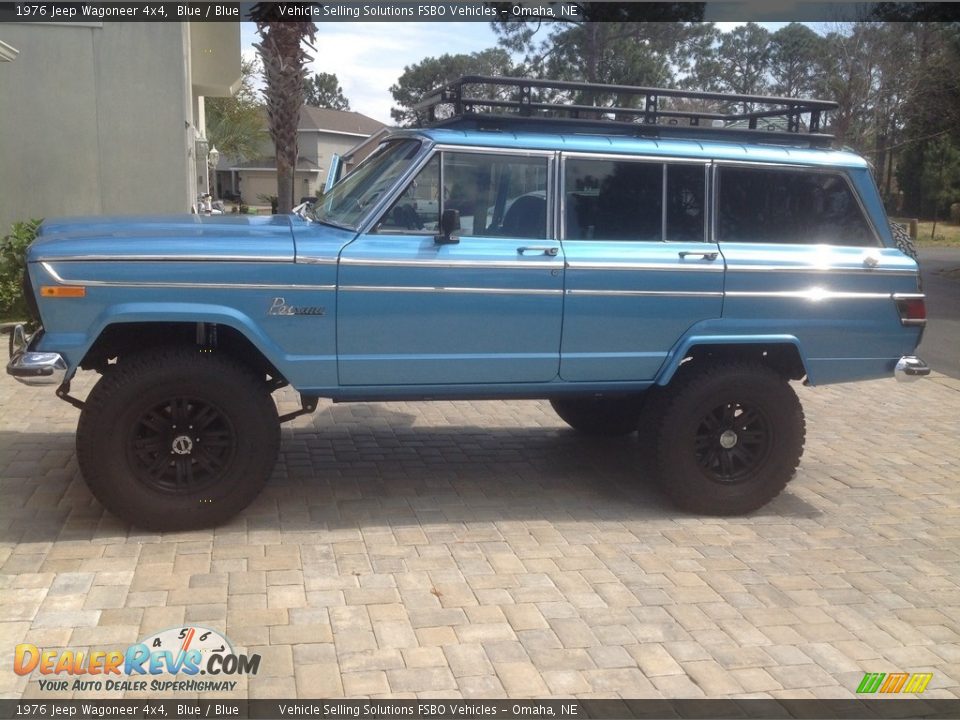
{"x":732,"y":441}
{"x":182,"y":445}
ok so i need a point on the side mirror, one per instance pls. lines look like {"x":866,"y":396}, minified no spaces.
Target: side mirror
{"x":449,"y":224}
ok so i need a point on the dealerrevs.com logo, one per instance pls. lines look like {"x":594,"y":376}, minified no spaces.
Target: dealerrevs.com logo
{"x":154,"y":664}
{"x":898,"y":682}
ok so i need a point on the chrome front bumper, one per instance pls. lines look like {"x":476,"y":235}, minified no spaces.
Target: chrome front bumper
{"x":910,"y":368}
{"x":34,"y":368}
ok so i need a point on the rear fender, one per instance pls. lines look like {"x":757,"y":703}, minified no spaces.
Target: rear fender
{"x":683,"y":348}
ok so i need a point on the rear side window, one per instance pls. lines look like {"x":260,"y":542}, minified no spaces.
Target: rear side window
{"x":789,"y":206}
{"x":628,"y":200}
{"x":613,"y":200}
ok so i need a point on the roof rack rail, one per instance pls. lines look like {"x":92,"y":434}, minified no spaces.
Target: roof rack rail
{"x":501,"y":102}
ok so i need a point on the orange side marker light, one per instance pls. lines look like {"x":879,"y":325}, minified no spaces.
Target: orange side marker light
{"x":63,"y":291}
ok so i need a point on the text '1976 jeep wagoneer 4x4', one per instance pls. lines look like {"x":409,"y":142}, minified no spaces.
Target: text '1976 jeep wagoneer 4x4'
{"x":637,"y":264}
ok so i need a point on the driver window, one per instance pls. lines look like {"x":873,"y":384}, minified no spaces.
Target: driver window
{"x":497,"y":195}
{"x":417,"y":210}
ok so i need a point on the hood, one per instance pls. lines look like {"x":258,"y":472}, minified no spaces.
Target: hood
{"x":169,"y":237}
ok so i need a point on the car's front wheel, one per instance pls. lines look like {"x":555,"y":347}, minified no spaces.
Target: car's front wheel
{"x":176,"y":439}
{"x":729,"y":438}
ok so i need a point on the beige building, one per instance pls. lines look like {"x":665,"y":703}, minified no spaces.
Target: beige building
{"x":104,"y":118}
{"x":321,"y":133}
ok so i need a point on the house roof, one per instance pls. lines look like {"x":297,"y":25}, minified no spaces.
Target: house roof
{"x":346,"y":122}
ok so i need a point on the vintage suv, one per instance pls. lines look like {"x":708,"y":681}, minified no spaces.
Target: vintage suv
{"x":634,"y":263}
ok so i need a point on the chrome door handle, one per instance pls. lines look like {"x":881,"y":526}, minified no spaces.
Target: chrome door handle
{"x":551,"y":251}
{"x":705,"y":255}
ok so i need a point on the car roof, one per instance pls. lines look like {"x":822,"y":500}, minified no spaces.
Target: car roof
{"x":688,"y":148}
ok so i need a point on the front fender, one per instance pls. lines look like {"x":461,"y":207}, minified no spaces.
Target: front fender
{"x":74,"y":346}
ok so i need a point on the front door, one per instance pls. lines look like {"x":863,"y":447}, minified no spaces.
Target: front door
{"x":486,"y":308}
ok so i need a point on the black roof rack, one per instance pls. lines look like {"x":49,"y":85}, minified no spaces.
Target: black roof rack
{"x":487,"y":102}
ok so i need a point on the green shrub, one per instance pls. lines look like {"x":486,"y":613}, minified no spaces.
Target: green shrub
{"x":13,"y":262}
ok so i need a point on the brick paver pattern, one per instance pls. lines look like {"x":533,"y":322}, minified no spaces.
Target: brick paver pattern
{"x":483,"y":549}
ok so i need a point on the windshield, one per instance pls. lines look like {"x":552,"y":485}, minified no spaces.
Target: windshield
{"x":352,"y":198}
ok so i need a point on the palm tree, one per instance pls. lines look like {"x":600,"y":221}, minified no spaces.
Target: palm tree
{"x":284,"y":70}
{"x":235,"y":124}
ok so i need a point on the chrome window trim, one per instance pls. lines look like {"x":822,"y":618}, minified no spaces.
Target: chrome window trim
{"x":450,"y":289}
{"x":584,"y":155}
{"x":179,"y":285}
{"x":909,"y":296}
{"x":781,"y":166}
{"x":479,"y":149}
{"x":663,"y":203}
{"x":562,"y":198}
{"x":308,"y":260}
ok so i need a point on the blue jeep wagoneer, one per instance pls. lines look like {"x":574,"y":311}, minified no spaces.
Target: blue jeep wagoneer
{"x":636,"y":256}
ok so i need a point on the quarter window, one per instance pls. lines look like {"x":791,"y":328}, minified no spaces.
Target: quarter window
{"x":417,"y":209}
{"x":788,"y":206}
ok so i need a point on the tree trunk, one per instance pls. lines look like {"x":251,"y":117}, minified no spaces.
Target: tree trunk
{"x":284,"y":69}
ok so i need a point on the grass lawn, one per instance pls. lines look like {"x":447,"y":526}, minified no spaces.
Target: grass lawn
{"x":946,"y":235}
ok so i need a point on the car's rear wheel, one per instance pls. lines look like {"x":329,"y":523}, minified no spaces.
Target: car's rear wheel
{"x":176,"y":439}
{"x":609,"y":416}
{"x":729,"y":438}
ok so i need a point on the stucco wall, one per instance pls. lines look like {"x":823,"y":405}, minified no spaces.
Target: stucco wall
{"x":93,"y":121}
{"x":262,"y":182}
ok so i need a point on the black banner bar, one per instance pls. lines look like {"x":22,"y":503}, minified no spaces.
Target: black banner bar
{"x":474,"y":11}
{"x":333,"y":709}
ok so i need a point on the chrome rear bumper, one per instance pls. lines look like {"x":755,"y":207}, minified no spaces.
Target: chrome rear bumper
{"x":909,"y":368}
{"x":34,"y":368}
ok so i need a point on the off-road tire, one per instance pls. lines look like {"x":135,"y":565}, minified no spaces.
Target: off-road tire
{"x":729,"y":439}
{"x":601,"y":416}
{"x":126,"y":432}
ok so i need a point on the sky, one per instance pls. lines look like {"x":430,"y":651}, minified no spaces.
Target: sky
{"x":369,"y":57}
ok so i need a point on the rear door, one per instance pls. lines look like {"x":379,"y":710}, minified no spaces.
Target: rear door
{"x":486,"y":309}
{"x":639,"y":270}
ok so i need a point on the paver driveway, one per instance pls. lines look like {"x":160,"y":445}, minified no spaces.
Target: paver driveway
{"x":482,"y":549}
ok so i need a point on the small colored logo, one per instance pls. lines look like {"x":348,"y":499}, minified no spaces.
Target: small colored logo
{"x":894,"y":683}
{"x":186,"y":651}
